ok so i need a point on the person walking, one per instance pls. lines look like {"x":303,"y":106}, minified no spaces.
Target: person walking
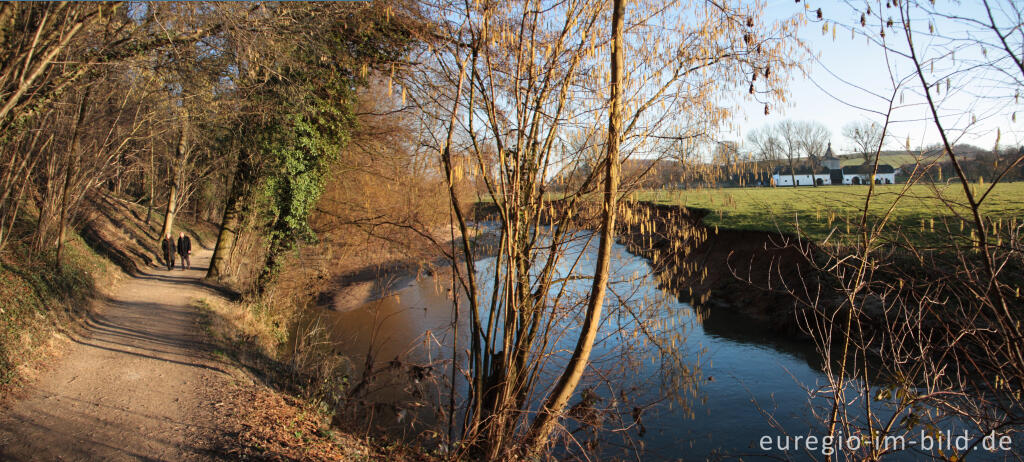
{"x":185,"y":250}
{"x":169,"y":250}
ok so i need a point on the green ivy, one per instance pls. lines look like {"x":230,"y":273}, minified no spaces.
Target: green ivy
{"x":300,"y":149}
{"x":311,"y":122}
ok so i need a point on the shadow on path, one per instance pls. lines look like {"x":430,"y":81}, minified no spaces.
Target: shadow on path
{"x":134,"y":383}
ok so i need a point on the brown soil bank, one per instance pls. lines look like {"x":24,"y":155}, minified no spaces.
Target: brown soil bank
{"x":754,"y":273}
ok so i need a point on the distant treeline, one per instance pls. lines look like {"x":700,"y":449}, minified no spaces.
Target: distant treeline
{"x":932,"y":164}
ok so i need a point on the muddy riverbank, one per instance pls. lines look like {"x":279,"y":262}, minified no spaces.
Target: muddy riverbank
{"x":382,"y":273}
{"x":753,"y":273}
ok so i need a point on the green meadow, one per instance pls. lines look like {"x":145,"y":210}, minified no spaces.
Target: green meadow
{"x":894,"y":159}
{"x":924,"y":213}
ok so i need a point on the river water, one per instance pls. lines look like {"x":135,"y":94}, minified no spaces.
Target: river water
{"x":746,"y":383}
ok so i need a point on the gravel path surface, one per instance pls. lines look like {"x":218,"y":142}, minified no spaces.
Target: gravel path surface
{"x":139,"y":384}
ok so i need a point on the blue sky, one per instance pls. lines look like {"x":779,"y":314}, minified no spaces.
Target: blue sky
{"x":823,"y":97}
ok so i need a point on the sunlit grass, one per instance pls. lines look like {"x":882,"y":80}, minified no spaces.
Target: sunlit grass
{"x":895,"y":160}
{"x":923,"y":213}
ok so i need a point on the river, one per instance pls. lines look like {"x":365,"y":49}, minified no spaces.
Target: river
{"x":746,"y":382}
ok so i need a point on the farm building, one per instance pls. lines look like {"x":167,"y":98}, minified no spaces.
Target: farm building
{"x":802,"y":176}
{"x":861,"y":174}
{"x":830,"y":172}
{"x":830,"y":161}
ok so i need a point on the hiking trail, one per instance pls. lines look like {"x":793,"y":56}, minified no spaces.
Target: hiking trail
{"x":138,"y":380}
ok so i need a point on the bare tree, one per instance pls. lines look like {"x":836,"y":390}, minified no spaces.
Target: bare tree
{"x":765,"y":146}
{"x":789,"y":133}
{"x":35,"y":37}
{"x":32,"y":36}
{"x":866,"y":138}
{"x":519,"y":80}
{"x":813,"y":138}
{"x":543,"y":424}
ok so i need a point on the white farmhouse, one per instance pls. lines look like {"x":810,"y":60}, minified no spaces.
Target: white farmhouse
{"x":801,"y":176}
{"x":861,"y":174}
{"x":830,"y":172}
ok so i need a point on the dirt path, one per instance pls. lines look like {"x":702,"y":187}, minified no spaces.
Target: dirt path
{"x":138,"y":384}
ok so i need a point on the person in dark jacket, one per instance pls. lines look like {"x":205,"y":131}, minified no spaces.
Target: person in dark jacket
{"x":169,"y":250}
{"x":185,"y":250}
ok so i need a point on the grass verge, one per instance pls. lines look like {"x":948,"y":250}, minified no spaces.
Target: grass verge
{"x":38,"y":299}
{"x":926,"y":215}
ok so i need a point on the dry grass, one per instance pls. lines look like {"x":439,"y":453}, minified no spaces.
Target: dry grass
{"x":242,"y":325}
{"x":276,"y":427}
{"x":38,"y":302}
{"x":266,"y":424}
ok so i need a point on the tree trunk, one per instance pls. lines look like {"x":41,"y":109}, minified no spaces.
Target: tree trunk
{"x":227,"y":236}
{"x":174,"y":173}
{"x":39,"y":240}
{"x":792,"y":172}
{"x":63,"y":217}
{"x":545,"y":421}
{"x":72,"y":165}
{"x":231,"y":223}
{"x":172,"y":209}
{"x":152,"y":189}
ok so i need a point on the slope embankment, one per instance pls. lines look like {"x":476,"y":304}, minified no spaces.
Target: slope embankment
{"x":756,"y":273}
{"x":130,"y":362}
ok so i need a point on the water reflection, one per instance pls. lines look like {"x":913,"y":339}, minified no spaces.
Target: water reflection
{"x":742,"y":382}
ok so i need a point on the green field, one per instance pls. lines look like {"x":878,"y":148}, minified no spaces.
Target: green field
{"x":921,"y":214}
{"x":895,"y":160}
